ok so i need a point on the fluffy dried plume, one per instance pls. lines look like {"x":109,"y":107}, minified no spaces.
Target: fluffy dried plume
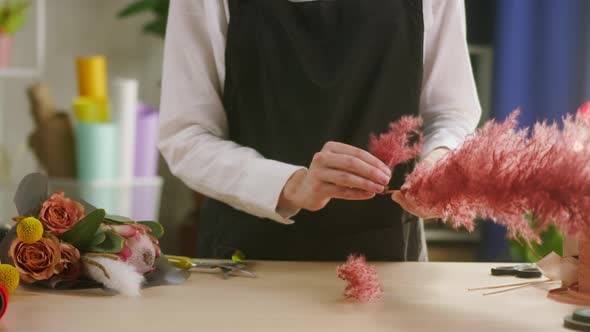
{"x":525,"y":182}
{"x":400,"y":144}
{"x":362,"y":282}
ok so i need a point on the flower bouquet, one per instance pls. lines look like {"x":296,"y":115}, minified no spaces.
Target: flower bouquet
{"x":63,"y":243}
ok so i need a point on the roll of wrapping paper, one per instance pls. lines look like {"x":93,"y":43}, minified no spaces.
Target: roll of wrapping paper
{"x":92,"y":77}
{"x":147,"y":192}
{"x":96,"y":151}
{"x":124,"y":116}
{"x":146,"y":142}
{"x":90,"y":109}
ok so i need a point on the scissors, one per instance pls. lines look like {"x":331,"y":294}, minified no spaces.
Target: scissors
{"x":228,"y":268}
{"x":529,"y":270}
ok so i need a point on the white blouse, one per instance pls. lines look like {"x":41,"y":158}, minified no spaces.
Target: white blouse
{"x":193,"y":124}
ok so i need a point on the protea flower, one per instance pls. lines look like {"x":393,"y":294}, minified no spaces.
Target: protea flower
{"x":141,"y":248}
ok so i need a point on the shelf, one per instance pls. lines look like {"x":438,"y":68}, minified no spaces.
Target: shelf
{"x":19,"y":72}
{"x":449,"y":235}
{"x":34,"y":69}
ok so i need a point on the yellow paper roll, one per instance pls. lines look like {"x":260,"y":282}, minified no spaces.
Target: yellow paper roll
{"x":92,"y":77}
{"x":88,"y":109}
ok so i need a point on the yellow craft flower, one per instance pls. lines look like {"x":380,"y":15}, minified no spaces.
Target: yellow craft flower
{"x":9,"y":277}
{"x":29,"y":230}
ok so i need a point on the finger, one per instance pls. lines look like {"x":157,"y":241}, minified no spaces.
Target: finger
{"x":348,"y":180}
{"x":357,"y":166}
{"x":351,"y":194}
{"x":398,"y":197}
{"x":401,"y":199}
{"x":342,"y":148}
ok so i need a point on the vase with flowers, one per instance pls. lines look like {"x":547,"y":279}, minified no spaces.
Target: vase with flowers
{"x":12,"y":18}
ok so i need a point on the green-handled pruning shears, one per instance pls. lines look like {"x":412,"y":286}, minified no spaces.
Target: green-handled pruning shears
{"x":228,"y":267}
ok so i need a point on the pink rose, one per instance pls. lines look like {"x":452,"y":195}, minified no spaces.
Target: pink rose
{"x":58,"y":214}
{"x":141,"y":248}
{"x":35,"y":261}
{"x":69,"y":262}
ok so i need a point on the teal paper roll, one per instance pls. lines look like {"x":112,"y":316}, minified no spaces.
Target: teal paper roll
{"x":96,"y":151}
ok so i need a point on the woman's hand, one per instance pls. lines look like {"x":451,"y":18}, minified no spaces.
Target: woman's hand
{"x":407,"y":203}
{"x":337,"y":171}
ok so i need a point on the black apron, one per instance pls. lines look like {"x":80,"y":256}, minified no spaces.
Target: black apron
{"x":300,"y":74}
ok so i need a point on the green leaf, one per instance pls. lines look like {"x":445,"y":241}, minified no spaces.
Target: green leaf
{"x":161,"y":8}
{"x":156,"y":227}
{"x":82,"y":234}
{"x":114,"y":219}
{"x":112,"y":244}
{"x":99,"y":238}
{"x":13,"y":16}
{"x":31,"y":193}
{"x":157,"y":27}
{"x":137,"y":7}
{"x":14,"y":23}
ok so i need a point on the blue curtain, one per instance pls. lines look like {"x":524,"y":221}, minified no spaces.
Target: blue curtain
{"x":542,"y":65}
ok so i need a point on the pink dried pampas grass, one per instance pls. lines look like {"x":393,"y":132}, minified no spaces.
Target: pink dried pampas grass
{"x":362,"y":281}
{"x":395,"y":146}
{"x":584,"y":112}
{"x":503,"y":174}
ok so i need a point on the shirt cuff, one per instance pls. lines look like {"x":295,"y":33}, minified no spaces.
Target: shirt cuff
{"x":438,"y":139}
{"x":266,"y":179}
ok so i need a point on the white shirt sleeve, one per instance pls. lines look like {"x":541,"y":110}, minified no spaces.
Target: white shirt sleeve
{"x":449,"y":103}
{"x":193,"y":135}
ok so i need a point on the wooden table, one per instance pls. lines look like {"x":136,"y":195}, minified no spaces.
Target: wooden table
{"x":299,"y":297}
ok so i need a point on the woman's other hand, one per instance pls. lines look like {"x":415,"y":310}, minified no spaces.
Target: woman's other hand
{"x":407,"y":203}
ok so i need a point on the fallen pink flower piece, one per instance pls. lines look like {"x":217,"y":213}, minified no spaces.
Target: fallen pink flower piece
{"x":362,"y":282}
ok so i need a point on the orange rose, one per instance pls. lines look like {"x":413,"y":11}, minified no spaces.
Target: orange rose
{"x":35,"y":261}
{"x":58,"y":214}
{"x":69,"y":263}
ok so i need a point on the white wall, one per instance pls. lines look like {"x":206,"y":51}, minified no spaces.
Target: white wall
{"x":85,"y":27}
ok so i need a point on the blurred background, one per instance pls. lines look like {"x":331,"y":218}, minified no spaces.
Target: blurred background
{"x":533,"y":54}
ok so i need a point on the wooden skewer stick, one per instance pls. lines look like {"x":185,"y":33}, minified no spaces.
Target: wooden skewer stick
{"x":505,"y":285}
{"x":517,"y":287}
{"x":387,"y":192}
